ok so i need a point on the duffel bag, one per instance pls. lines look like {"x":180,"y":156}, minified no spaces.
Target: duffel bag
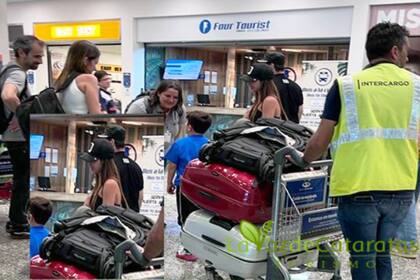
{"x":85,"y":248}
{"x":248,"y":154}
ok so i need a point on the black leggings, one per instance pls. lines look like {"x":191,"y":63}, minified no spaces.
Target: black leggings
{"x":184,"y":206}
{"x":19,"y":156}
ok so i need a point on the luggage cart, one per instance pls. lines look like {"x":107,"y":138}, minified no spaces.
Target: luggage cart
{"x":295,"y":224}
{"x":292,"y":223}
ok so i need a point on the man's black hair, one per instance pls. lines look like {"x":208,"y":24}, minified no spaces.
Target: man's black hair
{"x":25,"y":43}
{"x":40,"y":209}
{"x":199,"y":121}
{"x":382,"y":37}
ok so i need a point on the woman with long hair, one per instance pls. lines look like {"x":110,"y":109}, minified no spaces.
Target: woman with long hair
{"x":81,"y":96}
{"x":166,"y":100}
{"x":107,"y":190}
{"x":267,"y":103}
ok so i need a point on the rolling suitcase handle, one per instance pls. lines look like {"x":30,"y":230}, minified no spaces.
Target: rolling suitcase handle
{"x":119,"y":257}
{"x":120,"y":252}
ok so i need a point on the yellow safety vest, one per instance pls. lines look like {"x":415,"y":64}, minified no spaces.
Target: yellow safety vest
{"x":374,"y":145}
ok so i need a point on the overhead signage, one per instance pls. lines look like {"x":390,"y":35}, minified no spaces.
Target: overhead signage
{"x":274,"y":25}
{"x":108,"y":30}
{"x":206,"y":26}
{"x":403,"y":14}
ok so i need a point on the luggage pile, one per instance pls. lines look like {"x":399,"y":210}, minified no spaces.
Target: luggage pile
{"x":232,"y":181}
{"x":88,"y":242}
{"x":250,"y":146}
{"x":235,"y":173}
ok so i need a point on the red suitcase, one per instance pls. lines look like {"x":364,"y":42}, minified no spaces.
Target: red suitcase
{"x":40,"y":269}
{"x":226,"y":191}
{"x":6,"y":190}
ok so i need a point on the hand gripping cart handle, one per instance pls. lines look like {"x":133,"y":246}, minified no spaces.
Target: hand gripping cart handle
{"x":120,"y":253}
{"x":293,"y":216}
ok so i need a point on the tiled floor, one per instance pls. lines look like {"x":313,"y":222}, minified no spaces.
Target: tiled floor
{"x":14,"y":254}
{"x":177,"y":269}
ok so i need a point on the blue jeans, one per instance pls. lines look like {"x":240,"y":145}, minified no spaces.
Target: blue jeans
{"x":407,"y":232}
{"x":369,"y":222}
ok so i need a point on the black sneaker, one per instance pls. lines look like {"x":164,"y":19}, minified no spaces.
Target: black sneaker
{"x":18,"y":231}
{"x":9,"y":227}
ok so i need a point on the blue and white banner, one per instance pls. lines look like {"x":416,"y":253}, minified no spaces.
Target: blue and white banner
{"x":307,"y":193}
{"x":320,"y":222}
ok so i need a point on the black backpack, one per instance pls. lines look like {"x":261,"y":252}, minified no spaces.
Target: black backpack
{"x":253,"y":150}
{"x":46,"y":102}
{"x":4,"y":120}
{"x":91,"y":247}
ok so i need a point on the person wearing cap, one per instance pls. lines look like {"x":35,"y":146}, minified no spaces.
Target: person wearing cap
{"x":290,"y":93}
{"x":371,"y":120}
{"x":267,"y":103}
{"x":107,"y":190}
{"x":131,"y":175}
{"x":107,"y":103}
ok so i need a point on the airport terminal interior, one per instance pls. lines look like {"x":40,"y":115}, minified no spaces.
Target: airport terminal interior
{"x":209,"y":139}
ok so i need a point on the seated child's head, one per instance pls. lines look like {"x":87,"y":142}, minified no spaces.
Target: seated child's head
{"x":198,"y":121}
{"x":40,"y":210}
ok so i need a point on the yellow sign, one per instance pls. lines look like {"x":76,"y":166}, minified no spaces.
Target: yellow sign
{"x":106,"y":30}
{"x":109,"y":68}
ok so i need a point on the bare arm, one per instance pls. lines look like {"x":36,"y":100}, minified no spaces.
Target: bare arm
{"x":10,"y":97}
{"x":109,"y":194}
{"x":154,"y":242}
{"x":269,"y":107}
{"x":319,"y":141}
{"x":171,"y":168}
{"x":141,"y":196}
{"x":88,"y":84}
{"x":300,"y":112}
{"x":87,"y":200}
{"x":180,"y":132}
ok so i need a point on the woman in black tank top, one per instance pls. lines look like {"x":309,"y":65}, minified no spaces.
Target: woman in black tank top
{"x":267,"y":103}
{"x":107,"y":189}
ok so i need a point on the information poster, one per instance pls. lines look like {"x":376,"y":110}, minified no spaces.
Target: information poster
{"x":317,"y":78}
{"x":151,"y":162}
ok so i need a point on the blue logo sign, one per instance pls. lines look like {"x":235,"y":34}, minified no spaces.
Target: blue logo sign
{"x":323,"y":76}
{"x":234,"y":26}
{"x":127,"y":79}
{"x":205,"y":26}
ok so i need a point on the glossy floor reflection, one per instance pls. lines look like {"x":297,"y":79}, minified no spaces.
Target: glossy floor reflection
{"x":176,"y":269}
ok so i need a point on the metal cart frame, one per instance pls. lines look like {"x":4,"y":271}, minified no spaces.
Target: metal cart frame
{"x":287,"y":221}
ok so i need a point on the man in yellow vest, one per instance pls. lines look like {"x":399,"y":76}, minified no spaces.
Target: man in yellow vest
{"x":371,"y":120}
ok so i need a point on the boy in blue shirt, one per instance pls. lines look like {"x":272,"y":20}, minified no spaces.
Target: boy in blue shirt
{"x":179,"y":154}
{"x":40,"y":210}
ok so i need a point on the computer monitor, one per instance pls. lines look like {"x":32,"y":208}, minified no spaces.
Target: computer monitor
{"x":44,"y":183}
{"x":35,"y":144}
{"x":203,"y":99}
{"x":182,"y":69}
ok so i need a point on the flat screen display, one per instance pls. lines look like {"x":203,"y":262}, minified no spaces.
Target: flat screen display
{"x":35,"y":142}
{"x":177,"y":69}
